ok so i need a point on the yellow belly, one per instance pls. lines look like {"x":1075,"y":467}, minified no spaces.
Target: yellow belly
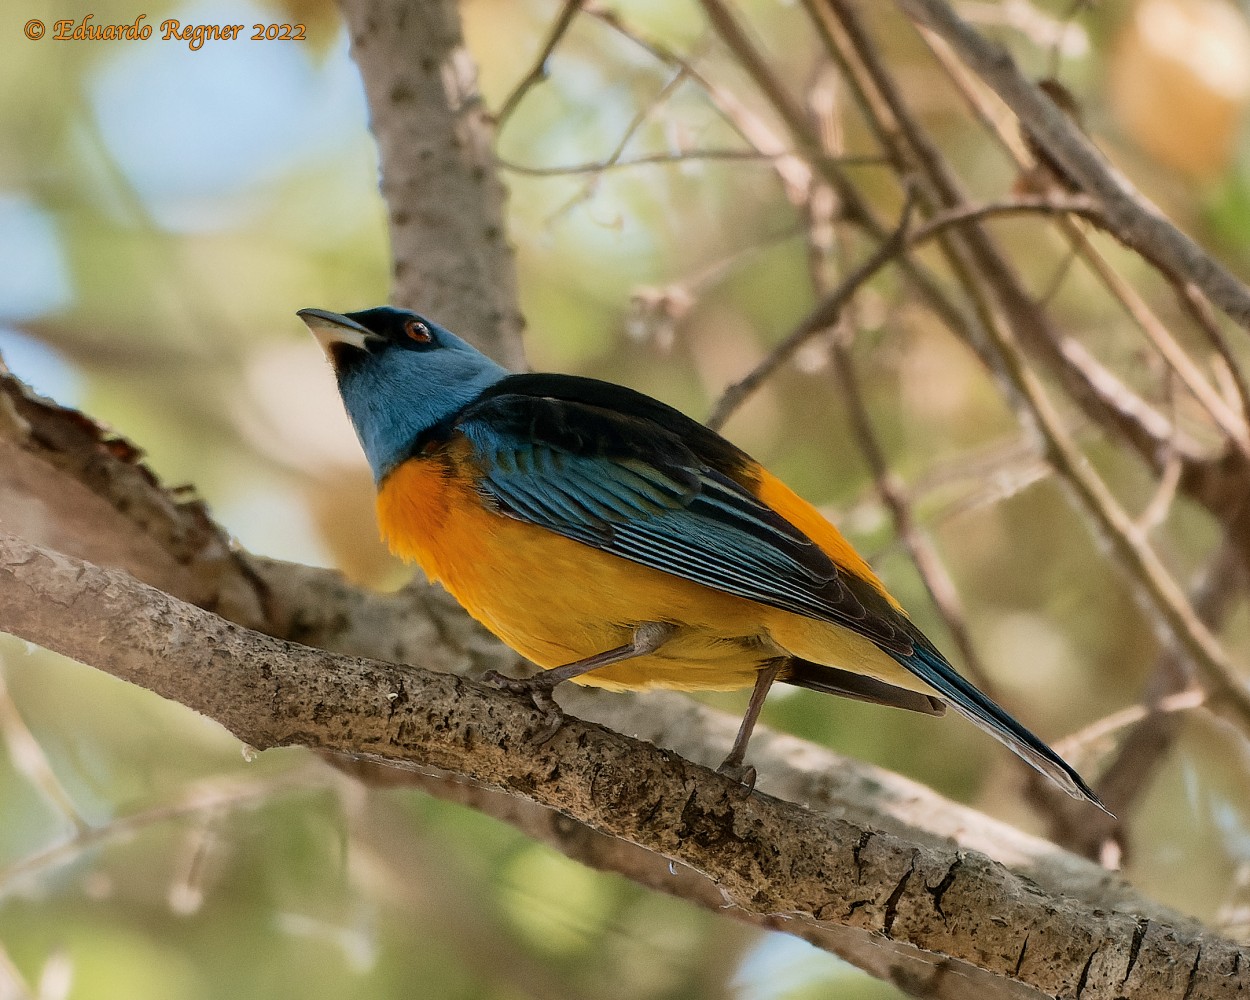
{"x":555,"y":600}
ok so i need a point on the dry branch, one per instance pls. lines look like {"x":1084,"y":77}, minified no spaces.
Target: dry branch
{"x":538,"y":72}
{"x":444,"y":199}
{"x":1004,"y":308}
{"x":1134,"y":220}
{"x":767,"y":856}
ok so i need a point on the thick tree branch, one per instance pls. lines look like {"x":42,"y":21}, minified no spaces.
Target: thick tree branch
{"x":67,"y":482}
{"x":768,"y":857}
{"x":444,"y":199}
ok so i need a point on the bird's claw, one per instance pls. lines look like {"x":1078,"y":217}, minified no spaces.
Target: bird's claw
{"x":539,"y":691}
{"x":743,"y":774}
{"x":553,"y":718}
{"x":516,"y":685}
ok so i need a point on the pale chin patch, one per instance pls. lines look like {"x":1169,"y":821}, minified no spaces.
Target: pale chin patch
{"x":328,"y":334}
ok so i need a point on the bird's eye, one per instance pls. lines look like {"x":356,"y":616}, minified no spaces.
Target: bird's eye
{"x":418,"y":331}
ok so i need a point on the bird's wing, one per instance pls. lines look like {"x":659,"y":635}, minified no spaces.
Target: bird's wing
{"x":630,"y":485}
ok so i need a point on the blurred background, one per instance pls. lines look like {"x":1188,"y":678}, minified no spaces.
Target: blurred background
{"x":164,"y":212}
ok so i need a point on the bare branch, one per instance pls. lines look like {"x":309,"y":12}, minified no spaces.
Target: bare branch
{"x":640,"y":118}
{"x":1226,"y":687}
{"x":821,"y":243}
{"x":1232,"y":424}
{"x":933,"y":572}
{"x":1056,"y":204}
{"x":1172,"y":683}
{"x":992,"y":269}
{"x":823,"y":316}
{"x":538,"y":72}
{"x":29,"y":760}
{"x":827,"y":311}
{"x":1196,"y":304}
{"x":768,"y":856}
{"x":668,"y":159}
{"x":1130,"y":216}
{"x":205,"y":796}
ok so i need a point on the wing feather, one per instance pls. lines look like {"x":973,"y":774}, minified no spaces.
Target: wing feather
{"x":634,"y":488}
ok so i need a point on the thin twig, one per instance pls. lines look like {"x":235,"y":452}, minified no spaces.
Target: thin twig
{"x":1000,"y":486}
{"x":1196,"y":304}
{"x":824,"y":315}
{"x":1041,"y":29}
{"x":983,"y":270}
{"x":210,"y":795}
{"x":796,"y":170}
{"x":1075,"y":744}
{"x":929,"y":564}
{"x":1056,"y":204}
{"x":663,"y":54}
{"x":1133,"y":550}
{"x":932,"y":570}
{"x":1231,"y":424}
{"x":538,"y":72}
{"x":1105,"y":512}
{"x":792,"y":168}
{"x":1137,"y":756}
{"x":668,"y":159}
{"x":1160,"y":505}
{"x":28,"y":758}
{"x":639,"y":119}
{"x":822,"y":243}
{"x":1135,"y":221}
{"x":828,"y":309}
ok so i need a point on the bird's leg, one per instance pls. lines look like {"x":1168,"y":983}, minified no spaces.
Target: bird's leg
{"x":647,"y":638}
{"x":732,"y":765}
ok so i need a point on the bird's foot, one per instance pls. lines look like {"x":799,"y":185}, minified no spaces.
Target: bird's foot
{"x":743,"y":774}
{"x":539,"y":689}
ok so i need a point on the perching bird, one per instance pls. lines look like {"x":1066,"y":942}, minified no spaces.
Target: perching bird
{"x":616,"y":542}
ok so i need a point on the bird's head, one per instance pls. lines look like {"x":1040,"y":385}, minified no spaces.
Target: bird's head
{"x":399,"y":375}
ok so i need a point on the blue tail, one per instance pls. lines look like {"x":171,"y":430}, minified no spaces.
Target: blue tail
{"x":929,"y":665}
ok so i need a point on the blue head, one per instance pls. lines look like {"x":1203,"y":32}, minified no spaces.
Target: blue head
{"x":399,"y":375}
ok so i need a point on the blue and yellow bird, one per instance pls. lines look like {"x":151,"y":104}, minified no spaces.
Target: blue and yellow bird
{"x":616,"y":542}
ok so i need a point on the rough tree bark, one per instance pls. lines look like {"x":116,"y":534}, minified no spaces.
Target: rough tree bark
{"x":445,"y":201}
{"x":769,"y":857}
